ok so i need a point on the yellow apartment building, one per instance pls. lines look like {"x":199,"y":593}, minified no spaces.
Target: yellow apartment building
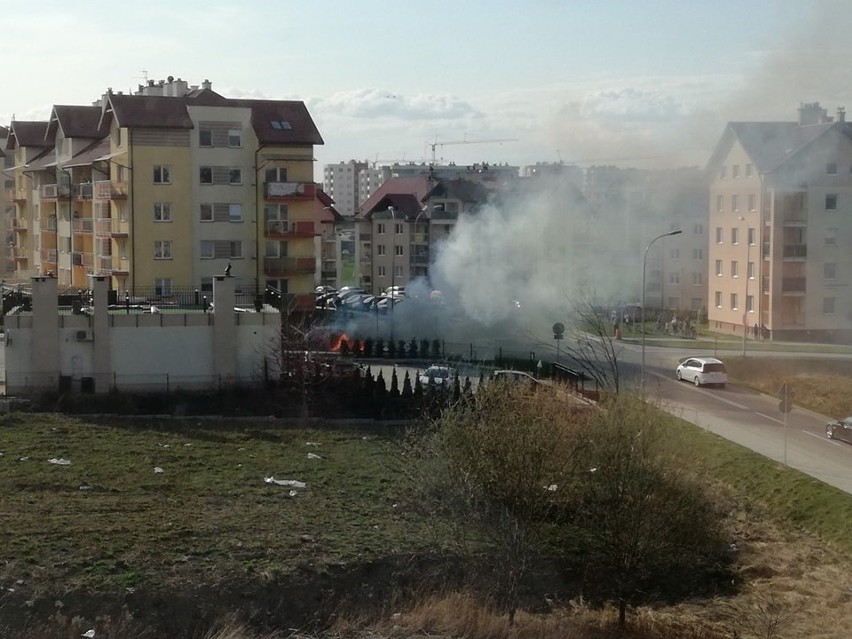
{"x":781,"y":228}
{"x":163,"y":189}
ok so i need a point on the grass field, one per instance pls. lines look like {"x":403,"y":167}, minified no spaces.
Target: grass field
{"x":210,"y":534}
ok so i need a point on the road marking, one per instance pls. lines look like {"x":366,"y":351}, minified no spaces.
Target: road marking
{"x":770,"y":418}
{"x":821,"y":438}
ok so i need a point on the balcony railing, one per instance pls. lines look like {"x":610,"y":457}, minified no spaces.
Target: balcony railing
{"x":110,"y":226}
{"x":54,"y":192}
{"x":19,"y":253}
{"x":277,"y":266}
{"x":18,"y":223}
{"x":83,"y":191}
{"x":16,"y":195}
{"x":47,"y":224}
{"x":795,"y":250}
{"x":793,"y":285}
{"x":280,"y":228}
{"x":109,"y":190}
{"x":81,"y":258}
{"x":83,"y":225}
{"x":289,"y":190}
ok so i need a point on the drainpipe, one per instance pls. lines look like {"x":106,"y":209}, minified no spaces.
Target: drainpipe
{"x":132,"y":264}
{"x":257,"y":217}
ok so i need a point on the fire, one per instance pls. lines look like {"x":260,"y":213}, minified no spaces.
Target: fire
{"x":337,"y":344}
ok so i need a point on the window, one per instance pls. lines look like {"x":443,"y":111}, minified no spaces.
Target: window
{"x":735,"y":202}
{"x":280,"y":125}
{"x":698,"y":229}
{"x":162,"y":212}
{"x":205,"y":175}
{"x":277,"y":174}
{"x":381,"y":227}
{"x":719,"y":234}
{"x":735,"y":302}
{"x":698,"y":279}
{"x":163,"y":286}
{"x":828,"y":305}
{"x":232,"y":249}
{"x":235,"y":138}
{"x":207,"y":249}
{"x":698,"y":254}
{"x":735,"y":235}
{"x":205,"y":137}
{"x":830,"y":237}
{"x":382,"y":272}
{"x":235,"y":249}
{"x":750,"y":303}
{"x":831,"y":168}
{"x":829,"y":270}
{"x":397,"y":250}
{"x":162,"y":250}
{"x":752,"y":201}
{"x":398,"y":271}
{"x":674,"y":278}
{"x":831,"y":202}
{"x":206,"y":212}
{"x":719,"y":203}
{"x":752,"y":234}
{"x":718,"y":267}
{"x":162,"y":174}
{"x":235,"y":212}
{"x":718,"y":299}
{"x":735,"y":268}
{"x":235,"y":176}
{"x":380,"y":249}
{"x":735,"y":171}
{"x":397,"y":228}
{"x":749,"y":170}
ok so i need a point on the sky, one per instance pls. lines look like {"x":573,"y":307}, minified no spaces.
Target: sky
{"x":643,"y":84}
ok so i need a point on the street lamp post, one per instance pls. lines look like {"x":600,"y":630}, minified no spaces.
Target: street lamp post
{"x":644,"y":265}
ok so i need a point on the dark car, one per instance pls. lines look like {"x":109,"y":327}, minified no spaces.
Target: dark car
{"x":840,"y":429}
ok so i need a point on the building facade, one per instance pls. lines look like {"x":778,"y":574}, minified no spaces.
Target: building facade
{"x":168,"y":187}
{"x":781,"y":224}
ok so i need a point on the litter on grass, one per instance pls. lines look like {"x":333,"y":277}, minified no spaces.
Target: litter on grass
{"x":158,"y":470}
{"x":292,"y":483}
{"x":313,"y":456}
{"x":59,"y":461}
{"x":311,"y":443}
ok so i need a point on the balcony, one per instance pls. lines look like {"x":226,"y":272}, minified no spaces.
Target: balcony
{"x":276,"y":191}
{"x":53,"y":192}
{"x":81,"y":258}
{"x":83,"y":225}
{"x":47,"y":224}
{"x":282,"y":266}
{"x":18,"y":224}
{"x":420,"y":260}
{"x":281,"y":228}
{"x":16,"y":195}
{"x":793,"y":285}
{"x":795,"y":250}
{"x":19,"y":253}
{"x":109,"y":190}
{"x":83,"y":191}
{"x":110,"y":227}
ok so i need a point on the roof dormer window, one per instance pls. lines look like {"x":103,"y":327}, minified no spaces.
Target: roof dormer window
{"x":280,"y":125}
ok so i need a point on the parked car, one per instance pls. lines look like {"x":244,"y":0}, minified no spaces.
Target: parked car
{"x":702,"y":371}
{"x":514,"y":377}
{"x":436,"y":375}
{"x":840,"y":429}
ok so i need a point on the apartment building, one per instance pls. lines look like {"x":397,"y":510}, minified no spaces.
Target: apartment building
{"x":400,"y":225}
{"x":342,"y":181}
{"x":166,"y":188}
{"x":6,"y":204}
{"x":781,"y":223}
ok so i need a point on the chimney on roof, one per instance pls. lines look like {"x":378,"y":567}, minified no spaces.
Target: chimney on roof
{"x":841,"y":114}
{"x":812,"y":113}
{"x":207,"y":85}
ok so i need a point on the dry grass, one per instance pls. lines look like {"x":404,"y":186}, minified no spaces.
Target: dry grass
{"x":820,"y":384}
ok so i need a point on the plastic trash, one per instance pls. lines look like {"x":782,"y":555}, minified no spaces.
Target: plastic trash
{"x":158,"y":470}
{"x":59,"y":461}
{"x":89,"y":633}
{"x":292,"y":483}
{"x":311,"y":443}
{"x":313,"y":456}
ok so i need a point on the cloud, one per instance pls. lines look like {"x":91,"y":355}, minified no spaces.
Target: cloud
{"x":375,"y":102}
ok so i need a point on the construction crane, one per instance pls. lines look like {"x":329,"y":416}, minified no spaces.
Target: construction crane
{"x":442,"y":144}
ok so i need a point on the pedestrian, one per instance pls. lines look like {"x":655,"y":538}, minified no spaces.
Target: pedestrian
{"x":756,"y":331}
